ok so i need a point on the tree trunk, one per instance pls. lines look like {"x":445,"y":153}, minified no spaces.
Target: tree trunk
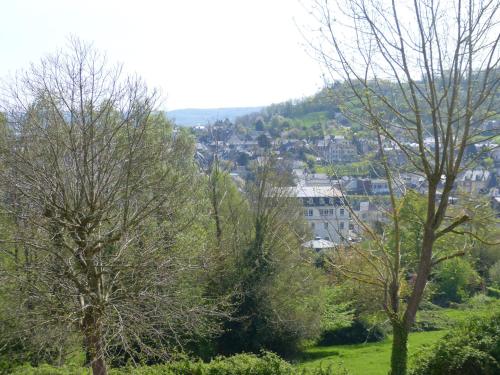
{"x":99,"y":367}
{"x":399,"y":355}
{"x":92,"y":331}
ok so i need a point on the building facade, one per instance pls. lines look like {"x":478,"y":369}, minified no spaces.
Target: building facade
{"x":325,"y":212}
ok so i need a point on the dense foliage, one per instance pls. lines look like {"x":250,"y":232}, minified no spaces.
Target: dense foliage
{"x":358,"y":332}
{"x":472,"y":348}
{"x":242,"y":364}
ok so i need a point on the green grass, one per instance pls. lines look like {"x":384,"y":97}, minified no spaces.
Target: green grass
{"x":363,"y":359}
{"x":313,"y":117}
{"x":359,"y":168}
{"x":374,"y":358}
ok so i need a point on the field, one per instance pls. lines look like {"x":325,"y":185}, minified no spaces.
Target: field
{"x":374,"y":358}
{"x":364,"y":359}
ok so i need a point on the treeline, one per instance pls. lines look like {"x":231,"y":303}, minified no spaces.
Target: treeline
{"x":308,"y":117}
{"x":116,"y":245}
{"x":324,"y":101}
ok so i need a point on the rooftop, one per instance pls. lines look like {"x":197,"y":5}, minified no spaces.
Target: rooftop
{"x":314,"y":191}
{"x":318,"y":244}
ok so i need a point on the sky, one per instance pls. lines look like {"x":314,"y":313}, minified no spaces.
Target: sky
{"x":198,"y":53}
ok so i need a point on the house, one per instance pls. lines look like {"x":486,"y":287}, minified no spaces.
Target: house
{"x":366,"y":186}
{"x":366,"y":213}
{"x":324,"y":211}
{"x":474,"y":181}
{"x":234,"y":141}
{"x":380,"y":186}
{"x":304,"y":178}
{"x":336,"y":149}
{"x":357,"y":186}
{"x":495,"y":154}
{"x":413,"y":181}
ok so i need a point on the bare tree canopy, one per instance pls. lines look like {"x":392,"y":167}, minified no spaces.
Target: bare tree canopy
{"x":99,"y":186}
{"x":413,"y":71}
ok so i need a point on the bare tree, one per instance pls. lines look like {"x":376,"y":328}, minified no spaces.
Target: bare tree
{"x":413,"y":71}
{"x":101,"y":185}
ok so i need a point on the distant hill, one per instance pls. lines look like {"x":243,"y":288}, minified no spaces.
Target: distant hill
{"x":199,"y":116}
{"x":322,"y":105}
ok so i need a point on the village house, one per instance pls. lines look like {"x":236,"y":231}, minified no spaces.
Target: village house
{"x":473,"y":181}
{"x":336,"y":149}
{"x":324,"y":211}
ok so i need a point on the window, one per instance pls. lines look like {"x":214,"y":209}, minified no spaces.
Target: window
{"x":325,"y":225}
{"x":308,"y":212}
{"x":342,"y":212}
{"x":341,"y":225}
{"x":312,"y":225}
{"x":331,"y":212}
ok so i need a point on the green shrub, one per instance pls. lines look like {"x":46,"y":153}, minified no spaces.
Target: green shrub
{"x":455,"y":281}
{"x":493,"y":292}
{"x":494,"y":274}
{"x":480,"y":300}
{"x":358,"y":332}
{"x":51,"y":370}
{"x":430,"y":320}
{"x":240,"y":364}
{"x":472,"y":348}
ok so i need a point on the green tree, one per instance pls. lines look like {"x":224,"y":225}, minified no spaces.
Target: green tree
{"x":455,"y":281}
{"x":276,"y":307}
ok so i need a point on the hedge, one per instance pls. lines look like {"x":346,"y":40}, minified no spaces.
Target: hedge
{"x":240,"y":364}
{"x":473,"y":348}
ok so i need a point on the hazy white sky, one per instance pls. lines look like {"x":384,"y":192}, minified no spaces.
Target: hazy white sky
{"x":200,"y":53}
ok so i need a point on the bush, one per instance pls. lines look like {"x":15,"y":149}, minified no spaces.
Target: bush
{"x":493,"y":292}
{"x":473,"y":348}
{"x":241,"y":364}
{"x":430,"y":320}
{"x":51,"y":370}
{"x":455,"y":281}
{"x":357,"y":333}
{"x":480,"y":300}
{"x":494,"y":274}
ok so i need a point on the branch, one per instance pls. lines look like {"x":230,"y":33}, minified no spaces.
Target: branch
{"x":454,"y":255}
{"x":475,"y":236}
{"x":451,"y":228}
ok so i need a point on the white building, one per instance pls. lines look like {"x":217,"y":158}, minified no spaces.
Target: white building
{"x":325,"y":212}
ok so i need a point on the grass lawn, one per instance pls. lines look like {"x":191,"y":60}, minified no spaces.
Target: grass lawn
{"x":363,"y":359}
{"x":374,"y":358}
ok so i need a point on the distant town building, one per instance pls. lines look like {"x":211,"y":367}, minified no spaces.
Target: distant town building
{"x":474,"y":181}
{"x":324,"y":211}
{"x":303,"y":178}
{"x":366,"y":186}
{"x":336,"y":149}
